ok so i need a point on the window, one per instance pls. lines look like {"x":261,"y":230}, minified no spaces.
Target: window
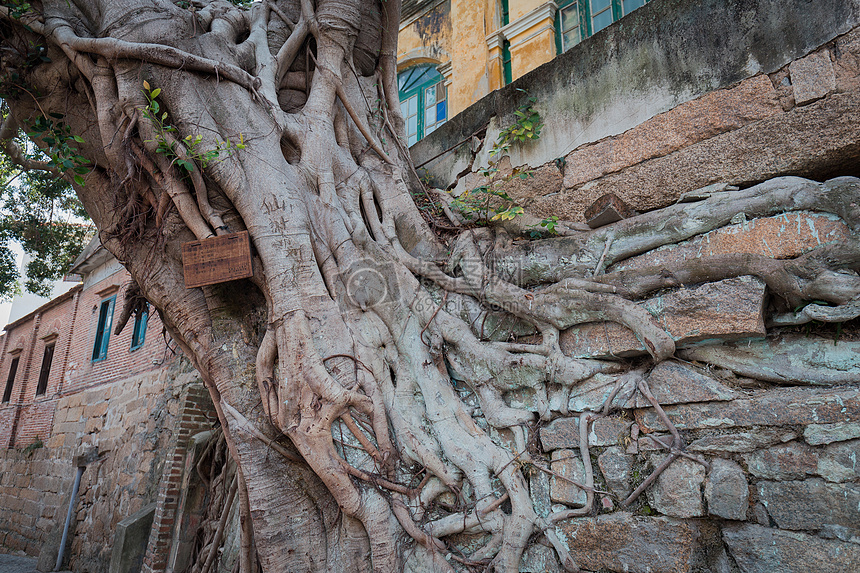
{"x":601,"y":14}
{"x":47,"y":358}
{"x":10,"y":381}
{"x":103,"y":330}
{"x":423,"y":101}
{"x":570,"y":28}
{"x":506,"y":62}
{"x":630,"y":5}
{"x":579,"y":19}
{"x":138,"y":335}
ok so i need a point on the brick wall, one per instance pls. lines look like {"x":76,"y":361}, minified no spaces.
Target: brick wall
{"x":135,"y":408}
{"x":69,"y":323}
{"x":81,"y":371}
{"x":196,"y":415}
{"x":135,"y":424}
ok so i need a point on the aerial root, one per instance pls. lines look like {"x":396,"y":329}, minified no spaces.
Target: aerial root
{"x":222,"y":524}
{"x":548,"y":306}
{"x":675,"y":451}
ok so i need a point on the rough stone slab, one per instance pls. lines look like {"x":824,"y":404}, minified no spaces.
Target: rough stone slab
{"x":716,"y":112}
{"x":791,"y":461}
{"x":649,"y":443}
{"x":730,"y":309}
{"x":617,"y":470}
{"x":802,"y":141}
{"x":607,"y":209}
{"x":624,"y":543}
{"x":678,"y":490}
{"x":567,"y":464}
{"x":780,"y":407}
{"x":560,"y":433}
{"x":539,"y":559}
{"x":787,"y":359}
{"x":785,"y":236}
{"x":812,"y":504}
{"x":608,"y":431}
{"x":760,"y":514}
{"x":817,"y":434}
{"x":839,"y":462}
{"x":592,"y":393}
{"x":812,"y":77}
{"x":132,"y":535}
{"x":539,"y":492}
{"x":544,"y":180}
{"x":727,"y":490}
{"x":743,"y":441}
{"x":758,"y":549}
{"x":676,"y":383}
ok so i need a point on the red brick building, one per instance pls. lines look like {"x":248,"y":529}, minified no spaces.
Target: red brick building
{"x":74,"y":390}
{"x":67,"y":345}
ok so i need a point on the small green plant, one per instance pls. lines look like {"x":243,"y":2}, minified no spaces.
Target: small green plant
{"x":37,"y":443}
{"x":550,"y":226}
{"x":59,"y":139}
{"x":166,"y":145}
{"x":526,"y":126}
{"x":489,"y":202}
{"x":17,"y":8}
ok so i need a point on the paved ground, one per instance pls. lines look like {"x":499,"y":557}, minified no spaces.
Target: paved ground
{"x":15,"y":564}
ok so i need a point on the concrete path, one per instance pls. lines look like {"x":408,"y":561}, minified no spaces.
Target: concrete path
{"x":16,"y":564}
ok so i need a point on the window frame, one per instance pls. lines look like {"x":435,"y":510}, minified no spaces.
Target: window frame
{"x":507,"y":70}
{"x":103,"y":326}
{"x":419,"y":90}
{"x":45,"y":369}
{"x":138,"y":333}
{"x":586,"y":29}
{"x":10,"y":379}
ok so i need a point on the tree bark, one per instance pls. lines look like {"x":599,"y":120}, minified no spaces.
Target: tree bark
{"x":348,"y":371}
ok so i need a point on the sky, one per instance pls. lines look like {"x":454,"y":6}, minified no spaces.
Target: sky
{"x":6,"y":307}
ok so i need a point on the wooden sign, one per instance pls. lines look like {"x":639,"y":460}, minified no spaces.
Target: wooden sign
{"x":217,"y":259}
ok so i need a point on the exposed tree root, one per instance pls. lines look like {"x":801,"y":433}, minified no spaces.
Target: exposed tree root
{"x":387,"y":357}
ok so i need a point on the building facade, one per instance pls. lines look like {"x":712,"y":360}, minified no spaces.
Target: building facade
{"x":121,"y":409}
{"x":495,"y":43}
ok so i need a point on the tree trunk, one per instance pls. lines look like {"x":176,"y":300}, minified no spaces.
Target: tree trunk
{"x":348,"y":370}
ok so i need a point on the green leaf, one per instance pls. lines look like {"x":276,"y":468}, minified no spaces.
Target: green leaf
{"x":155,"y":93}
{"x":79,"y":180}
{"x":78,"y":138}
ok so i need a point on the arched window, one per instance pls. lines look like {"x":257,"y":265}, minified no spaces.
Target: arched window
{"x":423,"y":100}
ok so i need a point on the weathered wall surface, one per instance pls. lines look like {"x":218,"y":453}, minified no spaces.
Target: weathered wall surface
{"x":425,"y":37}
{"x":130,"y":428}
{"x":128,"y":417}
{"x":677,"y":95}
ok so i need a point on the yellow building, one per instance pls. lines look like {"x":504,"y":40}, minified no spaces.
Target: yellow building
{"x":454,"y":52}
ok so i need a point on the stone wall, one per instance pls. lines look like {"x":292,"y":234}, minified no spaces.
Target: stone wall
{"x":678,"y":95}
{"x":129,"y":430}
